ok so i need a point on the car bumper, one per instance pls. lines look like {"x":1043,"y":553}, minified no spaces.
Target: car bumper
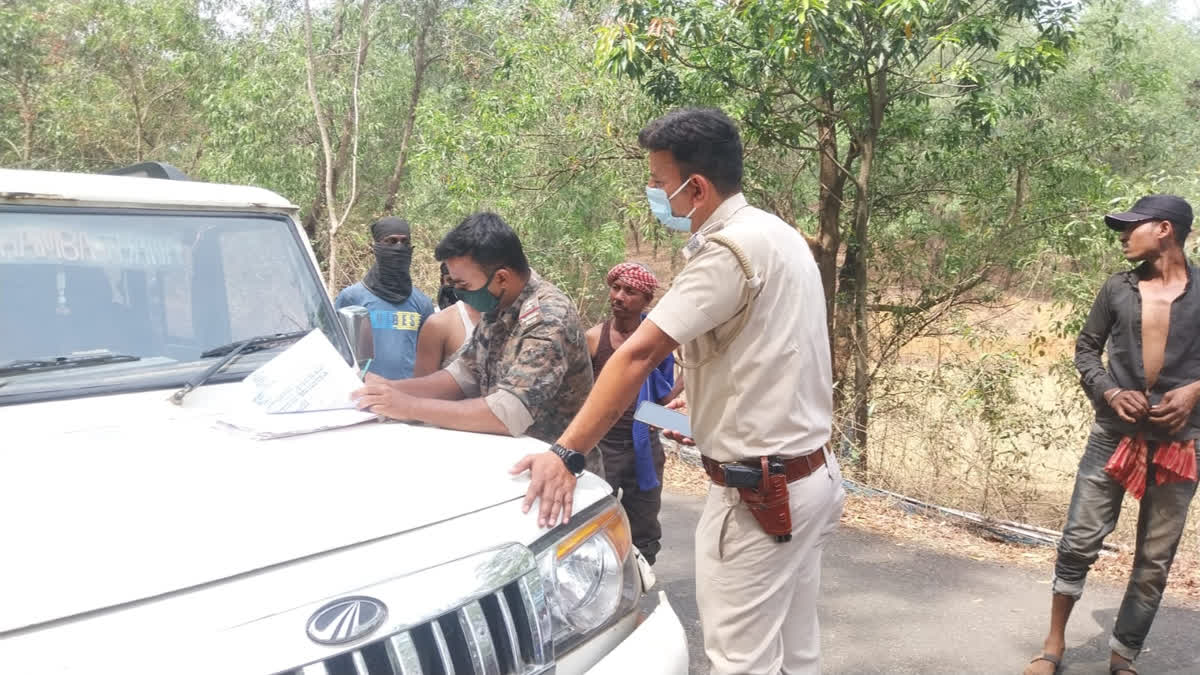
{"x":656,"y":645}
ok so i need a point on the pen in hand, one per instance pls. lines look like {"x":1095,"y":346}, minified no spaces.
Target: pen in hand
{"x":366,"y":366}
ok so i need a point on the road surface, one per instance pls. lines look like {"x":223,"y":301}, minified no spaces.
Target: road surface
{"x":893,"y":608}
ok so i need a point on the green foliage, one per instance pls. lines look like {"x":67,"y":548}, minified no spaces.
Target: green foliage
{"x":521,"y":125}
{"x":513,"y":118}
{"x":528,"y":111}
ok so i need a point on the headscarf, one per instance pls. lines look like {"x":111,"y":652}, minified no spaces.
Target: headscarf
{"x":634,"y":275}
{"x":389,"y":277}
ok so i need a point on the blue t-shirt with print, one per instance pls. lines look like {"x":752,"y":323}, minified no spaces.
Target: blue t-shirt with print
{"x":394,"y":327}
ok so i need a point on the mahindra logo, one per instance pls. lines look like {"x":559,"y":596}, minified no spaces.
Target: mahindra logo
{"x":346,"y":619}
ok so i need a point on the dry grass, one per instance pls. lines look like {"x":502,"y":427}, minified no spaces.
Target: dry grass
{"x":683,"y":478}
{"x":933,"y":440}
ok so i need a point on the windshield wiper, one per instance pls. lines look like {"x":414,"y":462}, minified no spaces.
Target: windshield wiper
{"x":253,"y":344}
{"x":61,"y":362}
{"x":230,"y":352}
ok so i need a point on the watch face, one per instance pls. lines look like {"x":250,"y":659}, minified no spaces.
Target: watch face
{"x":576,"y":462}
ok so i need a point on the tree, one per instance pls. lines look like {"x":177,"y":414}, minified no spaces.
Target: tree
{"x":346,"y":155}
{"x":428,"y":15}
{"x":823,"y":76}
{"x":26,"y":53}
{"x":138,"y":64}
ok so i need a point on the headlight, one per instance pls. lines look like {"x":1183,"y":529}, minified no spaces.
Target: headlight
{"x":589,"y":574}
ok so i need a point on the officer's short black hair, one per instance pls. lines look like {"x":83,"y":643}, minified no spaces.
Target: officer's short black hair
{"x":488,"y":240}
{"x":703,"y":141}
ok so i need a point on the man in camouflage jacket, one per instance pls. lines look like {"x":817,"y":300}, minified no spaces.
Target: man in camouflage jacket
{"x":526,"y":369}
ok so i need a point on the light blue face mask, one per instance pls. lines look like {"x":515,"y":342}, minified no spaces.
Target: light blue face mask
{"x":660,"y":206}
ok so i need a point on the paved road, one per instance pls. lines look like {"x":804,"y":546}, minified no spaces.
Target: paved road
{"x":896,"y":609}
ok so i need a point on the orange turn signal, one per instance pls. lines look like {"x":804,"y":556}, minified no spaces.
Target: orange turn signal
{"x":612,"y":523}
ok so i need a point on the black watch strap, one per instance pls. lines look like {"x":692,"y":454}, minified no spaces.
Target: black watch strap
{"x":575,"y":461}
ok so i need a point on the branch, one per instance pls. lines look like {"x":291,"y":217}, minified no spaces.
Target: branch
{"x":420,"y":65}
{"x":167,"y":92}
{"x":1072,"y":151}
{"x":930,"y":303}
{"x":363,"y":42}
{"x":322,"y":120}
{"x":882,"y":199}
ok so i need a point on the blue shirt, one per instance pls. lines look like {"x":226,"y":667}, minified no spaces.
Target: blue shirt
{"x":394,"y":327}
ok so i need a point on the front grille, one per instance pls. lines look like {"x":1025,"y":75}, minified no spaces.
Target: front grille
{"x":496,"y":634}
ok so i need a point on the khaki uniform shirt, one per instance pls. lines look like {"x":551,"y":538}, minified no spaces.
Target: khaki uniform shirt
{"x":770,"y":392}
{"x":529,"y":361}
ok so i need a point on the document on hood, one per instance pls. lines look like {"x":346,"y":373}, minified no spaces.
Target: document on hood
{"x":310,"y":380}
{"x":265,"y":426}
{"x":310,"y":375}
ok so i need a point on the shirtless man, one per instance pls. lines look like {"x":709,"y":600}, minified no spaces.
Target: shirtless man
{"x":1144,"y":438}
{"x":445,"y":333}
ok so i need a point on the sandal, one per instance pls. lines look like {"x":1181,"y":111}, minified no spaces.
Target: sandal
{"x":1057,"y":661}
{"x":1127,"y":668}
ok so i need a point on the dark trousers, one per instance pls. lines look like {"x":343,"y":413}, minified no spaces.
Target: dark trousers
{"x":641,"y":506}
{"x":1092,"y":516}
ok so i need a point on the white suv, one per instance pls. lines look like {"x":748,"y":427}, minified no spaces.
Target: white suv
{"x":142,"y":536}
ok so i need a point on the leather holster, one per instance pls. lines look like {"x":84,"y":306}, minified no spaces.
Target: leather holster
{"x":770,"y":504}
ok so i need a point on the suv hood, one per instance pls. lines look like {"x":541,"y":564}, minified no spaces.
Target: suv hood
{"x":113,"y":499}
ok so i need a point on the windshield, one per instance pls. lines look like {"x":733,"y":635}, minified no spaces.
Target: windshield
{"x":132,"y":299}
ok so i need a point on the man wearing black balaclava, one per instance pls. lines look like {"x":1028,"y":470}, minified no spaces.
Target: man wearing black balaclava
{"x":397,"y":309}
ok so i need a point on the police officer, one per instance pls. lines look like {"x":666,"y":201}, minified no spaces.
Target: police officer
{"x":749,"y":309}
{"x":525,"y":371}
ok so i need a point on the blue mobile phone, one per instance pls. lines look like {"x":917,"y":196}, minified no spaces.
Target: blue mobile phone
{"x":664,"y":418}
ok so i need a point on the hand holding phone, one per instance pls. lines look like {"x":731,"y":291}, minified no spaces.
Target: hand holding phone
{"x":664,"y":418}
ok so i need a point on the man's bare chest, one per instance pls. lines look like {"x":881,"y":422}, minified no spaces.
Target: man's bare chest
{"x":1156,"y":305}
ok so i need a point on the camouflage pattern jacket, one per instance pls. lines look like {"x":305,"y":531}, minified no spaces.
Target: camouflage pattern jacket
{"x":529,"y":361}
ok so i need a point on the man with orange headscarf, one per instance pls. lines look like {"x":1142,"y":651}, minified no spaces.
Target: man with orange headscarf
{"x":632,"y":452}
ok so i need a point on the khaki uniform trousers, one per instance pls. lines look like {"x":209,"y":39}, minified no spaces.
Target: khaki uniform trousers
{"x":758,"y":598}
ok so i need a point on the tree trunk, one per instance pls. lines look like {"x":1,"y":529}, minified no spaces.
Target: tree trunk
{"x":833,"y":176}
{"x":347,"y":152}
{"x":316,"y":210}
{"x":420,"y":65}
{"x":829,"y":208}
{"x":861,"y":341}
{"x":332,"y":262}
{"x":28,"y":119}
{"x":843,"y":325}
{"x":137,"y":130}
{"x":1021,"y":193}
{"x":877,"y":95}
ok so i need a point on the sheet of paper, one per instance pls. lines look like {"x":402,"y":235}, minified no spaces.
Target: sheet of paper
{"x":310,"y":375}
{"x":264,"y":426}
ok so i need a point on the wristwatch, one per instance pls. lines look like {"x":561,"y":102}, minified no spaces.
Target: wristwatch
{"x":575,"y":461}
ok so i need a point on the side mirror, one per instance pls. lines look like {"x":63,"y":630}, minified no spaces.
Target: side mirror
{"x":356,"y":321}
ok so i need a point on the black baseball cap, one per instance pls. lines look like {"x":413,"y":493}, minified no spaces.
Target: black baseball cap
{"x":1154,"y":207}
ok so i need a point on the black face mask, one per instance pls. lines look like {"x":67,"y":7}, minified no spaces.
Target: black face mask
{"x":446,"y":297}
{"x":389,"y":277}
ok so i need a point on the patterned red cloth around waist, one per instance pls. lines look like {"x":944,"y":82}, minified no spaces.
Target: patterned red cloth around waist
{"x":1174,"y":462}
